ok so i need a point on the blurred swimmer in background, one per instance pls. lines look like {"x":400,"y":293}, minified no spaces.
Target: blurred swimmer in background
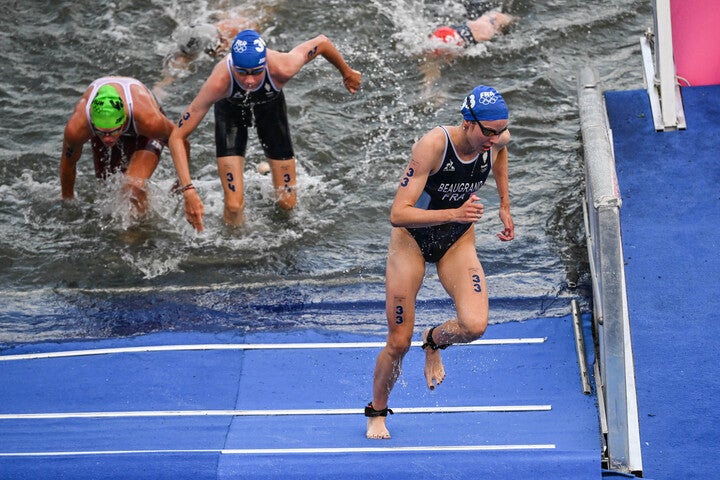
{"x":197,"y":40}
{"x":449,"y":41}
{"x":209,"y":38}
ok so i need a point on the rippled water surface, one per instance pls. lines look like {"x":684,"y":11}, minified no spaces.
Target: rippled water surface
{"x":88,"y":268}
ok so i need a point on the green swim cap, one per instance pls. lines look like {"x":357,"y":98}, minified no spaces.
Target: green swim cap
{"x":106,"y":109}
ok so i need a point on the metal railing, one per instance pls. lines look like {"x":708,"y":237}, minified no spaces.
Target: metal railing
{"x":659,"y":71}
{"x":614,"y":370}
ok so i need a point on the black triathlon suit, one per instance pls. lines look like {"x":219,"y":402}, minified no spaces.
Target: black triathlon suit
{"x":475,"y":8}
{"x":234,"y":114}
{"x":449,"y":187}
{"x":466,"y":34}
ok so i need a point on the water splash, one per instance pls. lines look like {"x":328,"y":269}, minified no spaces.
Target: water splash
{"x":351,"y":151}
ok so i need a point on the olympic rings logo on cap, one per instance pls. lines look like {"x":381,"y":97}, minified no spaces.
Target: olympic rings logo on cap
{"x":239,"y":46}
{"x":484,"y":103}
{"x":488,"y":98}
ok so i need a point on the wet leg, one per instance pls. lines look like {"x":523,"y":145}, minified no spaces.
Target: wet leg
{"x":231,"y":171}
{"x":284,"y":179}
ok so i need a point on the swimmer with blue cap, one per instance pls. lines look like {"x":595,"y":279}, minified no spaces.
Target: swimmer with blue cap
{"x":246,"y":89}
{"x":485,"y":109}
{"x":434,"y":215}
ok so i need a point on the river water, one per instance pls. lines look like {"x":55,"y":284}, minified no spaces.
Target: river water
{"x":89,"y":269}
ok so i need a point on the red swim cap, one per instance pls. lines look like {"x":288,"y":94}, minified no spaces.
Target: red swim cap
{"x":448,"y":35}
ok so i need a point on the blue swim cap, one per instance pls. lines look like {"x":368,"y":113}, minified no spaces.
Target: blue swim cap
{"x":484,"y":103}
{"x":248,"y":50}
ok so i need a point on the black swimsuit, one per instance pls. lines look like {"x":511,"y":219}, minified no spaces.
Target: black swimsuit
{"x":234,"y":114}
{"x":466,"y":34}
{"x":449,"y":187}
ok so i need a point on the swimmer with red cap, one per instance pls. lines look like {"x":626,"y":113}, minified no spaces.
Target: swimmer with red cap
{"x":473,"y":32}
{"x":447,"y":42}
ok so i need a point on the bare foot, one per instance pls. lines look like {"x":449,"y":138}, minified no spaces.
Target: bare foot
{"x":376,"y":428}
{"x":434,"y":369}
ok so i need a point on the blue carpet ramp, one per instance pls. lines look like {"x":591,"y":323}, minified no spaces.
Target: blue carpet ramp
{"x":670,"y":186}
{"x":289,"y":405}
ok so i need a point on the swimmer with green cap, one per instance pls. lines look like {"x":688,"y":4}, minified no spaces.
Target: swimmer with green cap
{"x":107,"y":110}
{"x":127,"y":130}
